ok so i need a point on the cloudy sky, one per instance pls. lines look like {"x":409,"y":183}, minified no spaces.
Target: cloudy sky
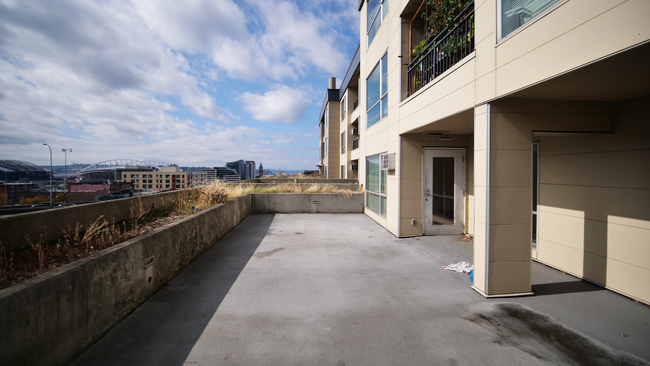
{"x":192,"y":82}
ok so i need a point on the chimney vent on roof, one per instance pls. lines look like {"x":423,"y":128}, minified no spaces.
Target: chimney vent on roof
{"x":332,"y":83}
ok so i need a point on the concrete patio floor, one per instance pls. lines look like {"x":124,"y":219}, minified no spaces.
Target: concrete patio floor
{"x":340,"y":290}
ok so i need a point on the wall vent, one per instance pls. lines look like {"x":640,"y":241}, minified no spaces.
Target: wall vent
{"x":148,"y":262}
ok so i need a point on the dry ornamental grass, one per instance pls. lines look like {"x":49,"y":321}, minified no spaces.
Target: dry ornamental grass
{"x":76,"y":243}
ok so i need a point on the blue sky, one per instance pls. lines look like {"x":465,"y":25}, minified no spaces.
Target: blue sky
{"x":194,"y":82}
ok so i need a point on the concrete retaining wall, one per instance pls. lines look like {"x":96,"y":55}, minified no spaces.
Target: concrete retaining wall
{"x":52,"y":318}
{"x":349,"y":186}
{"x":303,"y":180}
{"x":307,"y":203}
{"x":50,"y":222}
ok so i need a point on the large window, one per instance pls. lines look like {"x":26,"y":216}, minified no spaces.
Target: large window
{"x":377,"y":10}
{"x":377,"y":92}
{"x":515,"y":13}
{"x":375,"y":186}
{"x":343,"y":115}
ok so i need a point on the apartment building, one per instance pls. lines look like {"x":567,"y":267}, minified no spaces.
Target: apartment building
{"x":524,"y":123}
{"x":329,"y":127}
{"x":198,"y":178}
{"x":167,"y":178}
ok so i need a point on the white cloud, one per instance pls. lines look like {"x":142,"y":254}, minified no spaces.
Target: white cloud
{"x":193,"y":26}
{"x":120,"y":77}
{"x":282,"y":42}
{"x":283,"y":104}
{"x":70,"y":52}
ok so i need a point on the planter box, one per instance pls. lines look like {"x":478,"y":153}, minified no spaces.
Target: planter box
{"x":51,"y":319}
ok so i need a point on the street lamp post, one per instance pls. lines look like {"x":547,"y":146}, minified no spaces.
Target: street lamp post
{"x":5,"y":183}
{"x":65,"y":175}
{"x":50,"y":173}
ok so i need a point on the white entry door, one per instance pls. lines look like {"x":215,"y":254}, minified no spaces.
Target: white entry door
{"x":444,"y":191}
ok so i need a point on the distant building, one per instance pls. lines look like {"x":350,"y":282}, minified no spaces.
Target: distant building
{"x":219,"y":172}
{"x":232,"y":178}
{"x":112,"y":170}
{"x":261,"y":171}
{"x":239,"y":166}
{"x":197,"y":179}
{"x":245,"y":169}
{"x":250,"y":169}
{"x":17,"y":191}
{"x":86,"y":192}
{"x":167,"y":178}
{"x":21,"y":171}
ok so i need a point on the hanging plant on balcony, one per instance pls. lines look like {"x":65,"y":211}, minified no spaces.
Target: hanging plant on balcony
{"x":420,"y":47}
{"x":440,"y":14}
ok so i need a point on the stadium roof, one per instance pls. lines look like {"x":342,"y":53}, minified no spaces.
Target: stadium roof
{"x":19,"y":166}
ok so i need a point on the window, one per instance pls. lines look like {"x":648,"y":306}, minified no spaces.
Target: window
{"x":515,"y":13}
{"x":343,"y":110}
{"x":377,"y":10}
{"x":343,"y":143}
{"x":325,"y":146}
{"x":375,"y":186}
{"x":327,"y":117}
{"x":377,"y":92}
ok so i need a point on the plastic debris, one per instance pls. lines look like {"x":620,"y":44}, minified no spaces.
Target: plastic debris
{"x":461,"y":267}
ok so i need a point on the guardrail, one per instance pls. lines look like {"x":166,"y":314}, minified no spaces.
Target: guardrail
{"x":443,"y":52}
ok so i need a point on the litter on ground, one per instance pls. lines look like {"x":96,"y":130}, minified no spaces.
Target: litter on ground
{"x":462,"y":267}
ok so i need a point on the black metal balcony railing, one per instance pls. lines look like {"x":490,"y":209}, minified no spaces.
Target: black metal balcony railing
{"x":355,"y":144}
{"x":355,"y":105}
{"x":443,"y":52}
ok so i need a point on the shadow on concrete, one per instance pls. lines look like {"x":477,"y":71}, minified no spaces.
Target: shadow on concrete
{"x":164,"y":330}
{"x":557,"y":288}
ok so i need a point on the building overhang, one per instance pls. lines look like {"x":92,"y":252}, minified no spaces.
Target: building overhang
{"x":332,"y":95}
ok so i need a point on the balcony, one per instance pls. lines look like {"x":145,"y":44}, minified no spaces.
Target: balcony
{"x":355,"y":144}
{"x":442,"y":52}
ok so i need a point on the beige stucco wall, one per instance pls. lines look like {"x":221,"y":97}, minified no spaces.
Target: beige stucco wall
{"x":594,"y":199}
{"x":572,"y":34}
{"x":575,"y":33}
{"x":502,"y":186}
{"x":333,"y":141}
{"x":383,"y":136}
